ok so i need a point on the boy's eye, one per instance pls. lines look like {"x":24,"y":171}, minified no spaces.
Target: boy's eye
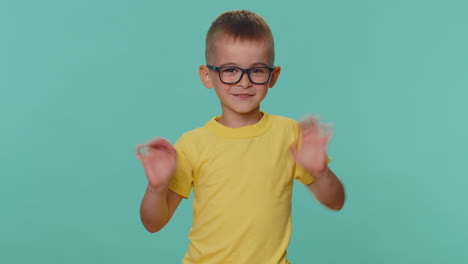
{"x":259,"y":70}
{"x":230,"y":70}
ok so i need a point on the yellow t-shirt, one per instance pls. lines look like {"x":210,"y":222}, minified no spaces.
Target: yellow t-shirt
{"x":242,"y":181}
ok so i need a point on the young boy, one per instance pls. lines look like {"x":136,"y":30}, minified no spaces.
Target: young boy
{"x":241,"y":164}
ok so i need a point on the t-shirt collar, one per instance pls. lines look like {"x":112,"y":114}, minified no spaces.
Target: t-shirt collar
{"x":253,"y":130}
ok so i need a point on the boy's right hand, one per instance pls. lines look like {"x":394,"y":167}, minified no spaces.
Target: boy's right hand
{"x":159,"y":162}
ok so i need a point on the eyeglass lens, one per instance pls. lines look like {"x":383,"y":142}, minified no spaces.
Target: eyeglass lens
{"x":258,"y":75}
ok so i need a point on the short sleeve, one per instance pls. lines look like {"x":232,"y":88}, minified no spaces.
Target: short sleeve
{"x":303,"y":176}
{"x":182,"y":180}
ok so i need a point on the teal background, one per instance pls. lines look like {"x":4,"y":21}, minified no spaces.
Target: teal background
{"x":83,"y":82}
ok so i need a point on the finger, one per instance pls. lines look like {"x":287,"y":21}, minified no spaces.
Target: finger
{"x":326,"y":140}
{"x":160,"y":143}
{"x":172,"y":151}
{"x":321,"y":140}
{"x":142,"y":157}
{"x":311,"y":131}
{"x":310,"y":128}
{"x":155,"y":141}
{"x":168,"y":148}
{"x":163,"y":144}
{"x":308,"y":117}
{"x":307,"y":123}
{"x":139,"y":150}
{"x":327,"y":129}
{"x":309,"y":120}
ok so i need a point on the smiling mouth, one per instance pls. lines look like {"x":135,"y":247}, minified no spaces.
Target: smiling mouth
{"x":243,"y":95}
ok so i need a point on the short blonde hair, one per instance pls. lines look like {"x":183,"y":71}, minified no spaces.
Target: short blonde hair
{"x":239,"y":25}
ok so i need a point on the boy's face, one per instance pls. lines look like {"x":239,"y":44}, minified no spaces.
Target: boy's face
{"x":243,"y":97}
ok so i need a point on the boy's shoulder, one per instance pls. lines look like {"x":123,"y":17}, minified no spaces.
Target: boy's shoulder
{"x":284,"y":119}
{"x":285,"y":122}
{"x":193,"y":134}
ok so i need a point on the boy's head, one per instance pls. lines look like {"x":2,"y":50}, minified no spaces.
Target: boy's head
{"x":239,"y":25}
{"x":239,"y":61}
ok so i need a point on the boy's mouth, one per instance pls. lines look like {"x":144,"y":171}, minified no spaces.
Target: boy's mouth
{"x":243,"y":95}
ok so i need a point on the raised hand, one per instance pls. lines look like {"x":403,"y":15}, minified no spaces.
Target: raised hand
{"x":159,"y":161}
{"x":312,"y":153}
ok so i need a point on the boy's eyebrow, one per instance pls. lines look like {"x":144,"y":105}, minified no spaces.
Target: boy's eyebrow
{"x":251,"y":65}
{"x":259,"y":64}
{"x":228,"y":64}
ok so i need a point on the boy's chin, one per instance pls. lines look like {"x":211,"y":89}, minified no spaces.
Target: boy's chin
{"x":246,"y":111}
{"x":241,"y":110}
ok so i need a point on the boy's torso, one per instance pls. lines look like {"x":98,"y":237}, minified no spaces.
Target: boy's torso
{"x":242,"y":183}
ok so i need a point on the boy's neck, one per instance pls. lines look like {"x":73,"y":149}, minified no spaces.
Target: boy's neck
{"x":236,"y":120}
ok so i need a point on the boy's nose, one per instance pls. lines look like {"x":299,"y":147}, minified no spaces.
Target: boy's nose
{"x":245,"y":81}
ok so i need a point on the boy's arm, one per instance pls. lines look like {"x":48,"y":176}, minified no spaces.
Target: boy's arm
{"x":328,"y":189}
{"x":157,"y":207}
{"x":312,"y":156}
{"x":159,"y":203}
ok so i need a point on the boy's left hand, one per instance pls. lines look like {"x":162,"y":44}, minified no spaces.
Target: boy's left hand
{"x":312,"y":153}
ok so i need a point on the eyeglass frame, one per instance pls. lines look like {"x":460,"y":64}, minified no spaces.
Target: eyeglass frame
{"x":218,"y":69}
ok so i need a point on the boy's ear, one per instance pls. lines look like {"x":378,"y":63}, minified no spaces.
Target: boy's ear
{"x":205,"y":76}
{"x":274,"y":76}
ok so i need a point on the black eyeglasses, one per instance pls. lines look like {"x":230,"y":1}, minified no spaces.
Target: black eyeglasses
{"x":233,"y":74}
